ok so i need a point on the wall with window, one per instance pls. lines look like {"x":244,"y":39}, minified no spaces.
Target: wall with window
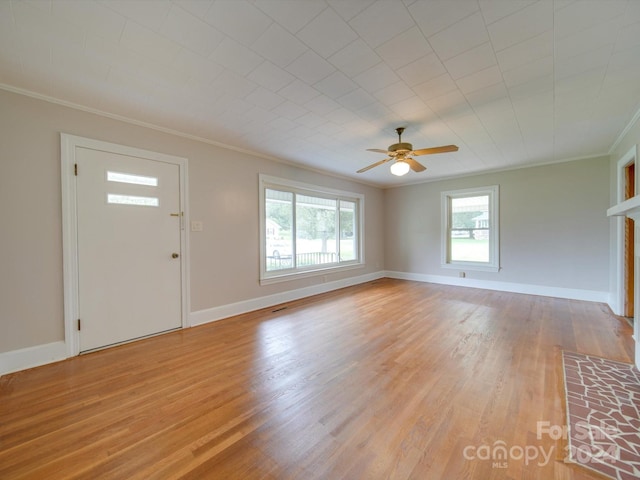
{"x":554,"y":232}
{"x":224,"y":257}
{"x":553,"y":226}
{"x":224,"y":195}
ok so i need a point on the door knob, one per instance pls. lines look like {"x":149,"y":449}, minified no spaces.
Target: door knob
{"x":174,"y":255}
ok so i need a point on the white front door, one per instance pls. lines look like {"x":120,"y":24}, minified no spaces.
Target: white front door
{"x":129,"y":247}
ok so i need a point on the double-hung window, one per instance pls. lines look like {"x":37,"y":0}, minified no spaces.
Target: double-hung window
{"x":306,"y":230}
{"x":470,"y":235}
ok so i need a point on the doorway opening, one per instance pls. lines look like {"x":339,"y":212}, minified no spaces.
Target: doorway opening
{"x":629,"y":255}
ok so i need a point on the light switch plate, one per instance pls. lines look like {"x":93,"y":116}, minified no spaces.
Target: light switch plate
{"x":196,"y":226}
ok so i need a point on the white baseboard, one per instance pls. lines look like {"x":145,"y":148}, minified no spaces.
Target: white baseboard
{"x":32,"y":357}
{"x":615,"y":306}
{"x":545,"y":291}
{"x":52,"y":352}
{"x":224,"y":311}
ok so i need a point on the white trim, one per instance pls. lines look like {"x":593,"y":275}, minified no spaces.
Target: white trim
{"x":313,"y":188}
{"x":43,"y":354}
{"x":320,"y":270}
{"x":269,"y":277}
{"x":68,"y":145}
{"x":617,"y":300}
{"x":624,"y":132}
{"x":624,"y":161}
{"x":30,"y":357}
{"x":477,"y":173}
{"x":528,"y":289}
{"x":179,"y":133}
{"x":493,"y":265}
{"x":360,"y":180}
{"x":224,"y":311}
{"x":614,"y":303}
{"x":470,"y":266}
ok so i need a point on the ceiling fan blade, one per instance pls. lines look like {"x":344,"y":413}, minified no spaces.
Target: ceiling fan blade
{"x":415,"y":166}
{"x":374,"y":165}
{"x":377,"y":150}
{"x":431,"y":151}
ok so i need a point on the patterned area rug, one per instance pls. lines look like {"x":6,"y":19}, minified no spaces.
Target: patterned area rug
{"x":603,"y":413}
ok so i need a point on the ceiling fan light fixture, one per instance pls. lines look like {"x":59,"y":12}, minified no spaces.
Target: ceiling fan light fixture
{"x":401,"y":155}
{"x":400,"y":168}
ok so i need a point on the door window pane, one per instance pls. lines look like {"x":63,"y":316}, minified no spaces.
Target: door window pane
{"x":131,"y":178}
{"x":132,"y":200}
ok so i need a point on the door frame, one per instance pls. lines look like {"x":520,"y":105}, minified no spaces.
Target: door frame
{"x":619,"y":276}
{"x":68,"y":145}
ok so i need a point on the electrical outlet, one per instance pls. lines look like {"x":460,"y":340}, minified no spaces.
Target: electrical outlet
{"x":462,"y":274}
{"x":196,"y":226}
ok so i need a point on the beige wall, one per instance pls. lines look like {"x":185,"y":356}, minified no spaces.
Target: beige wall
{"x":553,"y":226}
{"x":554,"y":230}
{"x":223,"y":195}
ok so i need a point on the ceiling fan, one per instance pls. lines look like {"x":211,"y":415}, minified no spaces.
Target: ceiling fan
{"x":402,"y":153}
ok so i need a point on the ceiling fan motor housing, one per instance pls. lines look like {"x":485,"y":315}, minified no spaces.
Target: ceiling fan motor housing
{"x":401,"y":147}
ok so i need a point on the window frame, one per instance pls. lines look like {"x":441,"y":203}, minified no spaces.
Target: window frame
{"x":300,"y":188}
{"x":493,"y":265}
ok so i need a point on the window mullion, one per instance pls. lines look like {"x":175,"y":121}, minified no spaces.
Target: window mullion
{"x":449,"y":225}
{"x":294,"y":231}
{"x":337,"y":229}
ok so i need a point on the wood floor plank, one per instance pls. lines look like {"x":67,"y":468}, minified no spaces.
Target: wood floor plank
{"x":390,"y":379}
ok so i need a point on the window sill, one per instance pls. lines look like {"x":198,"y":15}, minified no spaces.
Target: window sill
{"x":479,"y":267}
{"x":288,"y":276}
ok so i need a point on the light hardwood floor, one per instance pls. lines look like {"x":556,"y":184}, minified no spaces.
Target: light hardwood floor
{"x":390,"y":379}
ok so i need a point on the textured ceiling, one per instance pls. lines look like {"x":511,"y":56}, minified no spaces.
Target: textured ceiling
{"x":316,"y":82}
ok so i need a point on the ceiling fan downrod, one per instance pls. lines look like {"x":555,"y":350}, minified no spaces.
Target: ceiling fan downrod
{"x":401,"y":148}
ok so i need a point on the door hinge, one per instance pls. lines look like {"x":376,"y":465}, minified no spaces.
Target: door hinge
{"x":78,"y":324}
{"x":75,"y":169}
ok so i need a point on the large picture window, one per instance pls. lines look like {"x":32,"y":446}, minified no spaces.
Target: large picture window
{"x":307,"y":229}
{"x":470,"y":233}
